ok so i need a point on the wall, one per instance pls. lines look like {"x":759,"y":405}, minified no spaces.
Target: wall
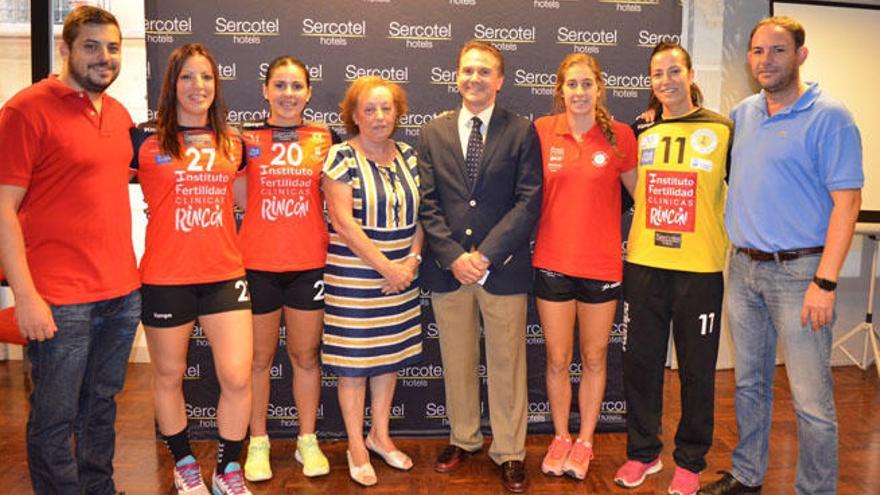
{"x":716,"y":32}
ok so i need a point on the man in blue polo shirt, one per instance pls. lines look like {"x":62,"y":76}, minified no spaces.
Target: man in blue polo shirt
{"x":795,"y":193}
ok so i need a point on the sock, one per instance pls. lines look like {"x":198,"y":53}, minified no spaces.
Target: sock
{"x":227,"y":451}
{"x":178,"y":444}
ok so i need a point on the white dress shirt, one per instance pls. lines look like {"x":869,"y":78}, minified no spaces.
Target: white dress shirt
{"x":465,"y":123}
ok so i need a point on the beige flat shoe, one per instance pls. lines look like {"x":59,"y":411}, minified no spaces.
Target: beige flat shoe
{"x":395,"y":458}
{"x":363,"y":475}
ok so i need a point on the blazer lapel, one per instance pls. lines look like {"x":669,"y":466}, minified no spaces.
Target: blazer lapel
{"x":495,"y":130}
{"x":455,"y":147}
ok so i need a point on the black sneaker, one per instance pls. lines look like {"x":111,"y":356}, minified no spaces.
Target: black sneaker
{"x":727,"y":485}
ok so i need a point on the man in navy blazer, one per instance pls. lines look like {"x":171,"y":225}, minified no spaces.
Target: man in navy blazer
{"x":480,"y":170}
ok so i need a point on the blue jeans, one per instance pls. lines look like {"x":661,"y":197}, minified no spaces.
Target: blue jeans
{"x":765,"y":300}
{"x":76,"y":377}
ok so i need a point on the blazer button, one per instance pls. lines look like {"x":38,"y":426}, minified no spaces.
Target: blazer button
{"x":473,"y":203}
{"x":468,"y":231}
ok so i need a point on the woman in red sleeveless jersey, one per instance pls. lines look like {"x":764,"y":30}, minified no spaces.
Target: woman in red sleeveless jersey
{"x":284,"y":244}
{"x":192,"y":267}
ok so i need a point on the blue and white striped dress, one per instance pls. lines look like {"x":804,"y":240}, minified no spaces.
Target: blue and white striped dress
{"x":367,"y":333}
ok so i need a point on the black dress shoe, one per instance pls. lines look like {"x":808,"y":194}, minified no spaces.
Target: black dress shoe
{"x":451,"y":458}
{"x":727,"y":485}
{"x":513,"y":476}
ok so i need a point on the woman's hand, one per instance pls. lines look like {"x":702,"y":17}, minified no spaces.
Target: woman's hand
{"x":648,"y":116}
{"x":398,"y":276}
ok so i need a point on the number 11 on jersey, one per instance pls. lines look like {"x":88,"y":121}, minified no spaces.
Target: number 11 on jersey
{"x":707,"y":321}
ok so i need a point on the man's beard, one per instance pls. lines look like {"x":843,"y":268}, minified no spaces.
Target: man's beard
{"x":89,"y":84}
{"x":785,"y":80}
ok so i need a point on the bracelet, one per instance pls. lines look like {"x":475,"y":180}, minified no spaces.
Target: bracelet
{"x":417,"y":256}
{"x":825,"y":284}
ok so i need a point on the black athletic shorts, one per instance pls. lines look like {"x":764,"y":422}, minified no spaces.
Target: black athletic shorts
{"x":297,"y":290}
{"x":173,"y":305}
{"x":555,"y":286}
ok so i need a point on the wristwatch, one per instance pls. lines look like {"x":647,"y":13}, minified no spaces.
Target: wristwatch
{"x":824,"y":283}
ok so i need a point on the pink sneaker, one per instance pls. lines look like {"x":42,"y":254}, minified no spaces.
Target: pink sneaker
{"x":684,"y":482}
{"x":557,"y":452}
{"x":633,"y":473}
{"x":578,"y":461}
{"x":230,"y":481}
{"x":188,"y":477}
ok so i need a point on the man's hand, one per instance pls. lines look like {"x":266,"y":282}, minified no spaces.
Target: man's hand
{"x":468,"y":268}
{"x":34,"y":318}
{"x":480,"y":261}
{"x":818,"y":307}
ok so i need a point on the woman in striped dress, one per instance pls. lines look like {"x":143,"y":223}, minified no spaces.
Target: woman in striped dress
{"x":372,"y":319}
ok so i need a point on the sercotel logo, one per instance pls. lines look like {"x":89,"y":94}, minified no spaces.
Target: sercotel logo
{"x":276,"y":372}
{"x":505,"y":37}
{"x":248,"y":31}
{"x":193,"y":372}
{"x":429,"y":371}
{"x":397,"y":411}
{"x":200,"y":412}
{"x":394,"y":74}
{"x":585,"y":40}
{"x":631,"y":6}
{"x":626,"y":85}
{"x":613,"y":407}
{"x":334,"y":33}
{"x":419,"y":31}
{"x":316,"y":72}
{"x":247,"y":115}
{"x":330,"y":118}
{"x":539,"y":83}
{"x":227,"y":71}
{"x":312,"y":27}
{"x":647,"y":39}
{"x":264,"y":26}
{"x":419,"y":35}
{"x":445,"y":77}
{"x":412,"y":122}
{"x":173,"y":25}
{"x":164,"y":30}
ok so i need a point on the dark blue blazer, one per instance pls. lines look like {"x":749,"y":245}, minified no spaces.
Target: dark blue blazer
{"x":497,"y":216}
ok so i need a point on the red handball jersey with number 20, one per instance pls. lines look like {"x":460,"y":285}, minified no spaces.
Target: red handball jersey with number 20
{"x":191,"y":236}
{"x":284,"y":228}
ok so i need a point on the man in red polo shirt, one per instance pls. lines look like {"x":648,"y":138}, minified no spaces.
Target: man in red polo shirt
{"x":65,"y":245}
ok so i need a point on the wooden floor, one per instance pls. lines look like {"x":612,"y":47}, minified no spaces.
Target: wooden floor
{"x":143,"y":466}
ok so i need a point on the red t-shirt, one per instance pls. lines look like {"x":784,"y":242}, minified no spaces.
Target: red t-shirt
{"x":284,"y":228}
{"x":75,"y":215}
{"x":579,"y":229}
{"x":191,"y":236}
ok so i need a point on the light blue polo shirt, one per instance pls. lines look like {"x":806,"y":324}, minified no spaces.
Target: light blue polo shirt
{"x":783,"y":167}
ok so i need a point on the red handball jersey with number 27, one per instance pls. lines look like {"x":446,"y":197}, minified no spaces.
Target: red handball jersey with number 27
{"x":191,"y":236}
